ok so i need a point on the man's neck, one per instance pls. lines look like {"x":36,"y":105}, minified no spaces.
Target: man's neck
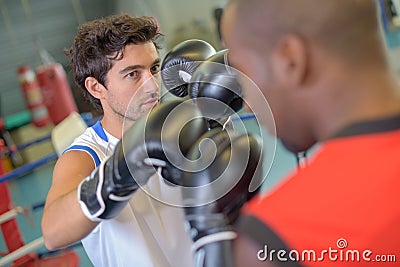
{"x":361,"y":98}
{"x":113,"y":126}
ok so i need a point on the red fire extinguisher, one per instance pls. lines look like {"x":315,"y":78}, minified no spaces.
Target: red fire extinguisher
{"x":33,"y":96}
{"x":56,"y":91}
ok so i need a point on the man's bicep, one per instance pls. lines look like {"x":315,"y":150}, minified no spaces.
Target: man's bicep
{"x":71,"y":168}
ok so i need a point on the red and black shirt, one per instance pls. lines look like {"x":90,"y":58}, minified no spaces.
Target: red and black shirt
{"x":347,"y":200}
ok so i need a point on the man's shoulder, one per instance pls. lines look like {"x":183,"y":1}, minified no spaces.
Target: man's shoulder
{"x":89,"y":143}
{"x":88,"y":138}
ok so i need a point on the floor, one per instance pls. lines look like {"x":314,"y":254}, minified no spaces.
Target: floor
{"x":32,"y":188}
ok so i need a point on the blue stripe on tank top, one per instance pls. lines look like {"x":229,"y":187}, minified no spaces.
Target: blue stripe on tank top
{"x":100,"y":131}
{"x":87,"y":149}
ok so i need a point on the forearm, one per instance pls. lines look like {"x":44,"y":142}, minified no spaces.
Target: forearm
{"x":64,"y":223}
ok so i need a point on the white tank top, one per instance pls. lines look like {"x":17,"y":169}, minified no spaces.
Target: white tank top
{"x":146,"y":232}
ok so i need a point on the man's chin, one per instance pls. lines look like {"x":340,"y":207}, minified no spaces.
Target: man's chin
{"x":134,"y":116}
{"x":128,"y":122}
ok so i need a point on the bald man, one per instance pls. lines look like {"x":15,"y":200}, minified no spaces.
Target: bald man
{"x":322,"y":67}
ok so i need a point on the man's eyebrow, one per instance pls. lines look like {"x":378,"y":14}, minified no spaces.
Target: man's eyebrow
{"x":135,"y":67}
{"x":156,"y":61}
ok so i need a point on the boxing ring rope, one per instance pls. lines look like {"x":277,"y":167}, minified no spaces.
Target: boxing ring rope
{"x":8,"y":216}
{"x":31,"y":247}
{"x":27,"y":168}
{"x":76,"y":125}
{"x":22,"y":251}
{"x":12,"y":214}
{"x":19,"y":210}
{"x":33,"y":142}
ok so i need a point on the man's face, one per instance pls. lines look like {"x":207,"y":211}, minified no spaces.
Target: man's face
{"x":260,"y":63}
{"x":133,"y":82}
{"x":249,"y":63}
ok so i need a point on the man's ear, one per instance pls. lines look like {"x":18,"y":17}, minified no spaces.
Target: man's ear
{"x":290,"y":60}
{"x":94,"y":87}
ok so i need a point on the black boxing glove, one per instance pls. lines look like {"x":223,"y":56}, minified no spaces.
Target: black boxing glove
{"x":148,"y":144}
{"x":216,"y":193}
{"x":215,"y":89}
{"x":180,"y":63}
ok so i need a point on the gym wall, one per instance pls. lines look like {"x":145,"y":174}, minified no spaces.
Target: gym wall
{"x":390,"y":26}
{"x":54,"y":23}
{"x":183,"y":19}
{"x":179,"y":19}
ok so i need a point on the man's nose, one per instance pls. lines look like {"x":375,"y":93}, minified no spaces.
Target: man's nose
{"x":151,"y":83}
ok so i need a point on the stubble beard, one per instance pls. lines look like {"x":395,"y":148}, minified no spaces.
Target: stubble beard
{"x":130,"y":115}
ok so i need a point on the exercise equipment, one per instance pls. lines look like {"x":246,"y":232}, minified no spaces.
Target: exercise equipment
{"x":56,"y":91}
{"x":65,"y":132}
{"x":15,"y":120}
{"x":33,"y":96}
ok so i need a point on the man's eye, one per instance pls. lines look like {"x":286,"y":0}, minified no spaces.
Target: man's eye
{"x":155,"y":69}
{"x":133,"y":74}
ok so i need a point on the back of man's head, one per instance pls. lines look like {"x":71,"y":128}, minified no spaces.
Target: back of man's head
{"x":347,"y":28}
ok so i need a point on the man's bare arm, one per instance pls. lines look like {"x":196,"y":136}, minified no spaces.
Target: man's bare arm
{"x":63,"y":221}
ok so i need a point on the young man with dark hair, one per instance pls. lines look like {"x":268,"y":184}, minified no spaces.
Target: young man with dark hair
{"x":115,"y":63}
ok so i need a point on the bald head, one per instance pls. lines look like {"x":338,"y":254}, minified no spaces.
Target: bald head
{"x":347,"y":28}
{"x":310,"y":55}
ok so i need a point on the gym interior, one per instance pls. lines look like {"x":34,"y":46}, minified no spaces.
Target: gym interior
{"x":34,"y":37}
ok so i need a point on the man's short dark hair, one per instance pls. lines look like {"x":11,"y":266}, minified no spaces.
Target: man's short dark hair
{"x":100,"y":42}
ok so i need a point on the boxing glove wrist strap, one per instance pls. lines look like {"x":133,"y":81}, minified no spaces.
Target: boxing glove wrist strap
{"x":96,"y":205}
{"x":212,"y":238}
